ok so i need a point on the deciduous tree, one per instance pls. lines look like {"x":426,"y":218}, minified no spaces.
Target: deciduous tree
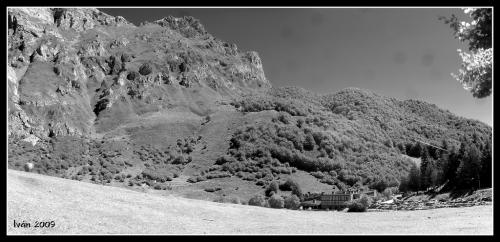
{"x":475,"y":73}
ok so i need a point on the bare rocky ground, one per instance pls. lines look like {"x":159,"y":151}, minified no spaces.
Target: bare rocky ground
{"x":84,"y":208}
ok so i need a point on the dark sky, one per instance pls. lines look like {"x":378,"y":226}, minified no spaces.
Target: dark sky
{"x":398,"y":52}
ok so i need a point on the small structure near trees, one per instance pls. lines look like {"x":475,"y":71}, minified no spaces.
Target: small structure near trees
{"x":335,"y":200}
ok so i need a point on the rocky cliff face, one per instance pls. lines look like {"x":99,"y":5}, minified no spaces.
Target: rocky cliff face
{"x":72,"y":71}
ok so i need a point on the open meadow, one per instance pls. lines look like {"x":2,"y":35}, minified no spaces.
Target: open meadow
{"x":84,"y":208}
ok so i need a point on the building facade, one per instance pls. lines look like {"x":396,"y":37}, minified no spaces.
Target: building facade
{"x":335,"y":201}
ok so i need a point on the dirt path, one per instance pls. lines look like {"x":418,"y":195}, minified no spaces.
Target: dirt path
{"x":84,"y":208}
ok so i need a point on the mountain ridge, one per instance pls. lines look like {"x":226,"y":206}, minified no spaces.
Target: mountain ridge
{"x":93,"y":97}
{"x":94,"y":59}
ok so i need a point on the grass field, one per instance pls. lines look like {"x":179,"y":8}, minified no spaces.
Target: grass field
{"x":84,"y":208}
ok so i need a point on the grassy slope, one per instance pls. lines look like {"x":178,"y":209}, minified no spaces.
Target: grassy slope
{"x":78,"y":207}
{"x":162,"y":129}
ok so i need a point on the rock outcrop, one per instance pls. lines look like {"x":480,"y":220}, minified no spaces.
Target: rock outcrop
{"x":67,"y":67}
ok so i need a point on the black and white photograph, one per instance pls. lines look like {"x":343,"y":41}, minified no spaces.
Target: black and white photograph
{"x":249,"y":120}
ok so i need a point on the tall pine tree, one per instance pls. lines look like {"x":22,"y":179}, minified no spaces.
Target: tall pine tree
{"x":443,"y":163}
{"x":486,"y":161}
{"x":470,"y":166}
{"x":425,"y":161}
{"x":414,"y":178}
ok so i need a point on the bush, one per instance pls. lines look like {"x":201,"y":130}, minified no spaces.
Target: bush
{"x":132,"y":75}
{"x":155,"y":175}
{"x":145,"y":69}
{"x":273,"y":187}
{"x":284,"y":118}
{"x":390,"y":191}
{"x":28,"y":166}
{"x":126,"y":57}
{"x":291,"y":185}
{"x":379,"y":185}
{"x":229,"y":199}
{"x":403,"y":185}
{"x":359,"y":205}
{"x":235,"y":200}
{"x":309,"y":142}
{"x":179,"y":160}
{"x":292,"y":202}
{"x":212,"y":189}
{"x":258,"y":200}
{"x":196,"y":178}
{"x":287,"y":185}
{"x":276,"y":201}
{"x":224,"y":159}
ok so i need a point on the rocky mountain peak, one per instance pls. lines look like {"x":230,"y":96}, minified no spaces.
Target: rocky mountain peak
{"x":85,"y":18}
{"x":188,"y":26}
{"x":71,"y":70}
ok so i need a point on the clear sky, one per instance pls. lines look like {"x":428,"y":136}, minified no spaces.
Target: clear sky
{"x":398,"y":52}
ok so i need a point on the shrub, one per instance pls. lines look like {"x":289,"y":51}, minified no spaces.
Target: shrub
{"x":291,"y":185}
{"x":258,"y":200}
{"x":379,"y":185}
{"x":273,"y":187}
{"x":235,"y":200}
{"x":145,"y":69}
{"x":403,"y":185}
{"x":287,"y":185}
{"x":224,"y":159}
{"x":150,"y":174}
{"x":219,"y":199}
{"x":212,"y":189}
{"x":179,"y":160}
{"x":308,"y":142}
{"x":132,"y":75}
{"x":276,"y":201}
{"x":284,"y":118}
{"x":229,"y":199}
{"x":28,"y":166}
{"x":107,"y":176}
{"x":292,"y":202}
{"x":126,"y":57}
{"x":359,"y":205}
{"x":296,"y":190}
